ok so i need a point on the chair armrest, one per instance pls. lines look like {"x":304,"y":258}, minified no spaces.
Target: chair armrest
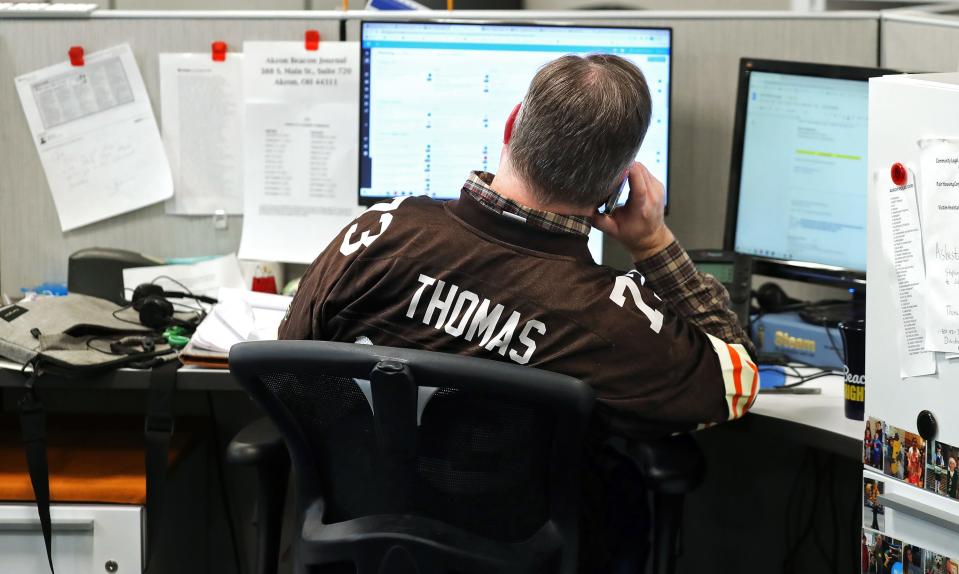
{"x":671,"y":465}
{"x":259,"y":443}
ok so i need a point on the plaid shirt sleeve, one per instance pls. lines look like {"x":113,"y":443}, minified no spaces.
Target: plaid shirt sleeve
{"x":698,"y":297}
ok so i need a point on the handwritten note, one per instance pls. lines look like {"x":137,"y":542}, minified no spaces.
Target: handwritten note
{"x":939,"y":197}
{"x":301,"y":147}
{"x":98,"y":141}
{"x":902,"y":246}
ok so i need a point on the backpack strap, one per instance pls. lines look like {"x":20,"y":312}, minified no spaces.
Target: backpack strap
{"x":158,"y":429}
{"x":33,"y":428}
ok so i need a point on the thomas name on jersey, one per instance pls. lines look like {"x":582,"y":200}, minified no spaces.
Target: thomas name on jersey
{"x":463,"y":314}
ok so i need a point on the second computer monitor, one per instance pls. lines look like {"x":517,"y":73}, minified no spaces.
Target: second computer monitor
{"x":799,"y":170}
{"x":436,"y":96}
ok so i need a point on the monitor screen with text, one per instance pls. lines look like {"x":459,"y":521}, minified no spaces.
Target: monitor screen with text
{"x":803,"y":181}
{"x":435,"y":96}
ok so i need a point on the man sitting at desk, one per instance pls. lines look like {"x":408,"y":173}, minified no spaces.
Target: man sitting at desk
{"x":504,"y":271}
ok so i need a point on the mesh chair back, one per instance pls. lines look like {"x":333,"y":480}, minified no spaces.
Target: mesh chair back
{"x":483,"y":447}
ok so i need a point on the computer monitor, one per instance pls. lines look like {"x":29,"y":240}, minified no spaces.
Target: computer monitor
{"x":436,"y":96}
{"x":798,"y":179}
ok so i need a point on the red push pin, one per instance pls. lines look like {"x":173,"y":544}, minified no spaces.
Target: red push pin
{"x":76,"y":55}
{"x":312,"y":40}
{"x":219,"y":51}
{"x":899,"y":174}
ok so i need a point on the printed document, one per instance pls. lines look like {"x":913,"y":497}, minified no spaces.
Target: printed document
{"x":96,"y":135}
{"x":939,"y":197}
{"x":301,"y":138}
{"x":201,"y":104}
{"x":902,"y":247}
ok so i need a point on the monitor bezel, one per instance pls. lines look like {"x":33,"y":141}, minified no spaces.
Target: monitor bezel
{"x":367,"y":201}
{"x":769,"y":266}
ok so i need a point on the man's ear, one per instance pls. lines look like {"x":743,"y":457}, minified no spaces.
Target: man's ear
{"x":508,"y":132}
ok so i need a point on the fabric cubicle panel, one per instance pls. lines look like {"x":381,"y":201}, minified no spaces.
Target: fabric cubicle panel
{"x":916,"y":42}
{"x":32,"y":247}
{"x":707,"y":47}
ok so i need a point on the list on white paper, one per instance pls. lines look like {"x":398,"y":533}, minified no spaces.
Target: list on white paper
{"x":201,"y":103}
{"x":902,"y":247}
{"x":96,"y":135}
{"x":301,"y":145}
{"x":939,"y":198}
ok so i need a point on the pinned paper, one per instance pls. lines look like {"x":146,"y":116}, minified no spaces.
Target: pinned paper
{"x":301,"y":146}
{"x":939,"y":198}
{"x":902,"y":248}
{"x":93,"y":127}
{"x":201,"y":99}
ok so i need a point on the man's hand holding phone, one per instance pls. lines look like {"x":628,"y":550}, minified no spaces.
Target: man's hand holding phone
{"x":638,"y":224}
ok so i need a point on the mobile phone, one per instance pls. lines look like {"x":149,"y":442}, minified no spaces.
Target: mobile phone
{"x":618,"y":198}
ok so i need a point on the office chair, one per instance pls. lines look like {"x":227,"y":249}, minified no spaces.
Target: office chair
{"x":481,"y":477}
{"x":669,"y":467}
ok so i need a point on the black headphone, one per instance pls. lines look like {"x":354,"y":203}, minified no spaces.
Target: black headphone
{"x":772,"y":299}
{"x":156,"y":311}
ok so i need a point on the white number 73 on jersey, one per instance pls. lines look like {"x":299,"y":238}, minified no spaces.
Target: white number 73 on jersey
{"x":626,"y":283}
{"x":349,"y":247}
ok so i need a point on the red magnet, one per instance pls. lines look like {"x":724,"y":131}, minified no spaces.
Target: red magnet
{"x":76,"y":55}
{"x":219,"y":51}
{"x":312,"y":40}
{"x":899,"y":174}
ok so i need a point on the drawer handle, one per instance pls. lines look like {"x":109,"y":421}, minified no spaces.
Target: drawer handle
{"x":33,"y":525}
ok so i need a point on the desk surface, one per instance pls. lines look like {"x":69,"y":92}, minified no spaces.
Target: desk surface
{"x":813,"y":419}
{"x":823,"y":411}
{"x":820,"y":419}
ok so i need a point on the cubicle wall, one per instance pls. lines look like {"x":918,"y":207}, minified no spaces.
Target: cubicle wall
{"x":32,"y":247}
{"x":917,"y":42}
{"x":707,"y":48}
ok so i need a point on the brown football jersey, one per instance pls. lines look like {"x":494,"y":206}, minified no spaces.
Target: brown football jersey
{"x":459,"y":278}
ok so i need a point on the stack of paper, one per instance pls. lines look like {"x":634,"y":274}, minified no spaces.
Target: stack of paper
{"x":240,"y":316}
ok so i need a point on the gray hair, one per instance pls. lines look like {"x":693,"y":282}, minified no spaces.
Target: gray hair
{"x":580,"y":126}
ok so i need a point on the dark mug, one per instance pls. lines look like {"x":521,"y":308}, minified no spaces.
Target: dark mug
{"x":854,"y":371}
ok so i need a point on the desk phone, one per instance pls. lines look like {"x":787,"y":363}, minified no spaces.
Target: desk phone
{"x":733,"y":270}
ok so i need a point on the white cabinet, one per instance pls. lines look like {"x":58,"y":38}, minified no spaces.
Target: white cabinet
{"x":85,"y":539}
{"x":903,"y":110}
